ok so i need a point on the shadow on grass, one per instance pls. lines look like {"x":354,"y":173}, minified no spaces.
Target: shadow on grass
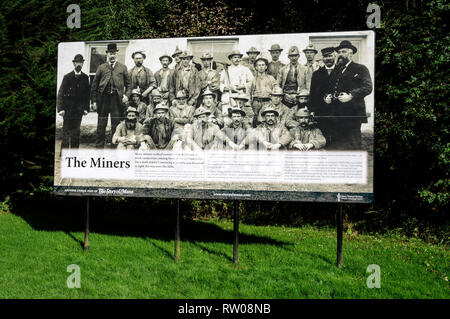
{"x":155,"y":221}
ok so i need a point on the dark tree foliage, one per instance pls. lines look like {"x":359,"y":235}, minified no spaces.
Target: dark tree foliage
{"x":412,"y":146}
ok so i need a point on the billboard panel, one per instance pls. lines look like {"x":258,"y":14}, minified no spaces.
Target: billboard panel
{"x":285,"y":117}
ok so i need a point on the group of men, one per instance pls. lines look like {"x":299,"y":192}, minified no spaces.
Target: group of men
{"x":249,"y":104}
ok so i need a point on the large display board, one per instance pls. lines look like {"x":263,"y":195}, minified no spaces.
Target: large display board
{"x":286,"y":117}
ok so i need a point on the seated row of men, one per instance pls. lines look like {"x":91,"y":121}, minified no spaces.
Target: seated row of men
{"x":182,"y":127}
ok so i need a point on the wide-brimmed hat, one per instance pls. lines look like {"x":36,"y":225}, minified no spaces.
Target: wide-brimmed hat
{"x":138,"y":52}
{"x":240,"y":96}
{"x":132,"y":109}
{"x":253,"y":50}
{"x":208,"y":92}
{"x":275,"y":47}
{"x":156,"y":93}
{"x":310,"y":47}
{"x":328,"y":50}
{"x":269,"y":109}
{"x":112,"y":47}
{"x":177,"y":52}
{"x":136,"y":92}
{"x":346,"y":44}
{"x":206,"y":56}
{"x":161,"y":106}
{"x":186,"y":54}
{"x":165,"y":55}
{"x":78,"y":58}
{"x":201,"y":110}
{"x":303,"y":112}
{"x":277,"y":91}
{"x":234,"y":52}
{"x":293,"y":50}
{"x":237,"y":110}
{"x":303,"y":92}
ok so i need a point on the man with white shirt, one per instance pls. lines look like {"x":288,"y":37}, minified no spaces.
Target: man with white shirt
{"x":236,"y":77}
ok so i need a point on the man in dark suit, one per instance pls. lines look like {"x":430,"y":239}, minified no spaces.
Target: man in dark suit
{"x":73,"y":103}
{"x":110,"y":90}
{"x":351,"y":85}
{"x":321,"y":84}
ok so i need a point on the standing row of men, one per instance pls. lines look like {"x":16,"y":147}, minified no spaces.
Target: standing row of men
{"x":336,"y":93}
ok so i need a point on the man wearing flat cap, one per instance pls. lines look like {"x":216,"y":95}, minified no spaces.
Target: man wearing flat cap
{"x":351,"y":85}
{"x":275,"y":65}
{"x":270,"y":135}
{"x":185,"y":79}
{"x":162,"y":76}
{"x":73,"y":102}
{"x":128,"y":134}
{"x":252,"y":53}
{"x":261,"y":86}
{"x":321,"y":83}
{"x":311,"y":65}
{"x":141,"y":77}
{"x":110,"y":90}
{"x":292,"y":77}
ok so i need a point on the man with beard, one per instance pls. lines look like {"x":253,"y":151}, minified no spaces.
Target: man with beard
{"x":202,"y":134}
{"x":73,"y":103}
{"x":128,"y":135}
{"x":261,"y":87}
{"x":311,"y":65}
{"x":236,"y":135}
{"x":351,"y":85}
{"x":141,"y":77}
{"x":181,"y":112}
{"x":275,"y":65}
{"x":209,"y":103}
{"x":176,"y":56}
{"x":209,"y":78}
{"x":162,"y":77}
{"x":110,"y":90}
{"x":270,"y":135}
{"x":141,"y":107}
{"x":303,"y":102}
{"x":252,"y":53}
{"x":185,"y":79}
{"x":292,"y":77}
{"x":321,"y":83}
{"x":276,"y":96}
{"x":159,"y":131}
{"x":306,"y":136}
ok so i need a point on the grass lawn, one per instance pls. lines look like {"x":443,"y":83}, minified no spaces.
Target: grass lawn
{"x":274,"y":262}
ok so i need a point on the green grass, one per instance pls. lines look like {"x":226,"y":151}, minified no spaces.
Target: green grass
{"x":274,"y":262}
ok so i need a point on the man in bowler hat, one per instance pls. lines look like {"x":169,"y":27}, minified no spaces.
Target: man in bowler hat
{"x":110,"y":90}
{"x":73,"y":102}
{"x":351,"y":85}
